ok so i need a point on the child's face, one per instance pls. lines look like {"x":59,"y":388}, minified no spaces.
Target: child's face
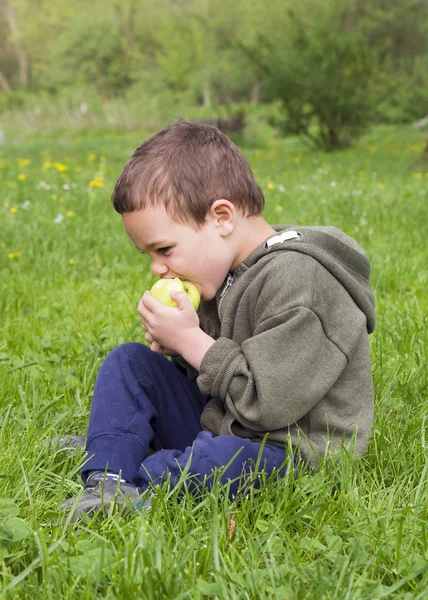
{"x":178,"y":250}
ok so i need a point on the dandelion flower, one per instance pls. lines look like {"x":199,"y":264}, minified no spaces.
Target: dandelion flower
{"x":98,"y":182}
{"x":60,"y":167}
{"x":279,"y":209}
{"x":23,"y":162}
{"x":417,"y":175}
{"x":91,"y":158}
{"x":70,"y":213}
{"x":381,"y":186}
{"x":47,"y":164}
{"x":71,"y":261}
{"x":13,"y":210}
{"x":270,"y":186}
{"x":22,"y":177}
{"x":13,"y":255}
{"x":78,"y":169}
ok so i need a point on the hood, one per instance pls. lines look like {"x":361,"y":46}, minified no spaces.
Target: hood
{"x":334,"y":250}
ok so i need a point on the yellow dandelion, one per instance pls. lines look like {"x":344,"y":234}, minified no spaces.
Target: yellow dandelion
{"x":47,"y":164}
{"x":22,"y":177}
{"x":417,"y":175}
{"x":54,"y":197}
{"x":13,"y":255}
{"x":60,"y":167}
{"x":78,"y":169}
{"x":270,"y":186}
{"x":13,"y":210}
{"x":70,"y":213}
{"x":98,"y":182}
{"x":71,"y":261}
{"x":381,"y":186}
{"x":279,"y":209}
{"x":23,"y":162}
{"x":61,"y":200}
{"x":91,"y":158}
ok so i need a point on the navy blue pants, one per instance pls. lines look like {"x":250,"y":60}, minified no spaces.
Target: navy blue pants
{"x":142,"y":401}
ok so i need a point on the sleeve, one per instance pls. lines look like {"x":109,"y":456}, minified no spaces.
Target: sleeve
{"x":276,"y":376}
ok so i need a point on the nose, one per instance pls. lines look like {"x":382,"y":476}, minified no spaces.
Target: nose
{"x":158,"y":268}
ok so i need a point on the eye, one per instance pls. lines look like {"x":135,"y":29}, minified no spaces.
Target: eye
{"x":164,"y":251}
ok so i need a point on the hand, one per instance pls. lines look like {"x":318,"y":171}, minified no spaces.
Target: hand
{"x":167,"y":327}
{"x":155,"y":347}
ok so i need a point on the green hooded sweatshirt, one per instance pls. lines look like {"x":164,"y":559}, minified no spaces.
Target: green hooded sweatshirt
{"x":291,"y":357}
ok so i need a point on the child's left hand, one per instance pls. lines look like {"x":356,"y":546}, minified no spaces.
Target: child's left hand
{"x":166,"y":326}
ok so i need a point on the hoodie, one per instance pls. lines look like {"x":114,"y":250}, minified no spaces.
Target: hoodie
{"x":291,"y":357}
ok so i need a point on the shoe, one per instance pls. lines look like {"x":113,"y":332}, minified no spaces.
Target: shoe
{"x":68,"y":442}
{"x":102,"y":494}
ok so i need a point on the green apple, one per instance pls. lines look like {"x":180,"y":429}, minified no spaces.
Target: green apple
{"x":162,"y":289}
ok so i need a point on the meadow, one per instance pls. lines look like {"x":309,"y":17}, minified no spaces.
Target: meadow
{"x":70,"y":281}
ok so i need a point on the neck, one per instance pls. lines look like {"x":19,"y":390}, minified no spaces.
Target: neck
{"x":252,"y":232}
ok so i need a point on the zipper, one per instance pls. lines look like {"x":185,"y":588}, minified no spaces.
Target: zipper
{"x":227,"y":286}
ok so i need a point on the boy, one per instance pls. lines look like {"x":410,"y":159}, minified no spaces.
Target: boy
{"x":278,"y":350}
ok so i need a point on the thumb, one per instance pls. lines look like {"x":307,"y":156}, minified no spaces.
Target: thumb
{"x":182,"y":299}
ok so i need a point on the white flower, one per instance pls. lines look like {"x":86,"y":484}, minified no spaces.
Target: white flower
{"x":26,"y":204}
{"x":66,"y":186}
{"x":59,"y":219}
{"x":281,"y":188}
{"x":333,"y":184}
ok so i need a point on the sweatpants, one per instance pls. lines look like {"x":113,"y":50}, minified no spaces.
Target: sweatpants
{"x":143,"y":401}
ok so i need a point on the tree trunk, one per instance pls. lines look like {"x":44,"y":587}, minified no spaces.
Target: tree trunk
{"x":21,"y":55}
{"x":4,"y":84}
{"x":255,"y":93}
{"x":206,"y":96}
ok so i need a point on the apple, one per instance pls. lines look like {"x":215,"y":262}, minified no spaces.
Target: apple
{"x":162,"y":289}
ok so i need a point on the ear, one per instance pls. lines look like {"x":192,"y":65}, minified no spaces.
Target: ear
{"x":223,"y":213}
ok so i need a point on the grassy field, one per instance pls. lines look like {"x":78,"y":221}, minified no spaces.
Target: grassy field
{"x":70,"y":281}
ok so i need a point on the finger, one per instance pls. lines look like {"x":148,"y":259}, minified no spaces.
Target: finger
{"x":148,"y":337}
{"x":182,"y":300}
{"x":155,"y":347}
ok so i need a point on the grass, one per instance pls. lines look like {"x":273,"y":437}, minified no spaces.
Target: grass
{"x":69,"y":289}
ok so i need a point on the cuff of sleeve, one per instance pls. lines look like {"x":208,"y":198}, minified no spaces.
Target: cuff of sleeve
{"x":217,"y":368}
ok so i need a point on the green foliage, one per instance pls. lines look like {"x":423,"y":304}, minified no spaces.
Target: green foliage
{"x":324,"y":75}
{"x":334,"y":66}
{"x":86,"y":54}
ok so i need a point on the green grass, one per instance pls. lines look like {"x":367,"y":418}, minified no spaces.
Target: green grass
{"x":298,"y":539}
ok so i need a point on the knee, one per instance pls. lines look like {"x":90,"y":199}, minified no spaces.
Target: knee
{"x":128,"y":350}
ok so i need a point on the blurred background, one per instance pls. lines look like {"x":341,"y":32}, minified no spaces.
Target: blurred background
{"x":323,"y":69}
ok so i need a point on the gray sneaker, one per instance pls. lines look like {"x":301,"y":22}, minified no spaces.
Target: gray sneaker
{"x":102,"y":494}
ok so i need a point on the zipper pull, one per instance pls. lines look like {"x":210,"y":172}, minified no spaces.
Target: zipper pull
{"x":229,"y":281}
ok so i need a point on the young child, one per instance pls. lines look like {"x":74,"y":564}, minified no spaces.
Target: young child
{"x":277,"y":352}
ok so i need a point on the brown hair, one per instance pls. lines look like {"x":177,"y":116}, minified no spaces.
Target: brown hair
{"x":186,"y":167}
